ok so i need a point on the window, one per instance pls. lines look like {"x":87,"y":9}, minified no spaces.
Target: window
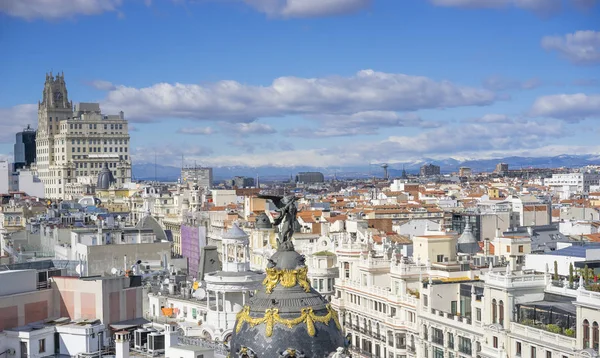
{"x":450,"y":340}
{"x":508,"y":248}
{"x":425,"y":300}
{"x":495,"y":341}
{"x":518,"y":349}
{"x":595,"y":337}
{"x":494,"y":311}
{"x":437,"y":336}
{"x":501,"y":312}
{"x":521,"y":248}
{"x":42,"y":345}
{"x":478,"y":314}
{"x":464,"y":345}
{"x":548,"y":354}
{"x":453,"y":307}
{"x":586,"y":334}
{"x":533,"y":352}
{"x":440,"y":258}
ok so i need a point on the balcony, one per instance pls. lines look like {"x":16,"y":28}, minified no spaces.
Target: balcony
{"x":517,"y":280}
{"x":438,"y":340}
{"x":408,"y":269}
{"x":381,"y":292}
{"x":449,"y":316}
{"x":543,"y":335}
{"x":362,"y":353}
{"x":372,"y":263}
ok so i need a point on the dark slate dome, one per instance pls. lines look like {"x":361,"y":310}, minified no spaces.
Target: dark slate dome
{"x":286,"y":317}
{"x":467,"y":242}
{"x":105,"y":178}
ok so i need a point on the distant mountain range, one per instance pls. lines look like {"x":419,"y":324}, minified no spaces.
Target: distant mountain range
{"x":149,"y":171}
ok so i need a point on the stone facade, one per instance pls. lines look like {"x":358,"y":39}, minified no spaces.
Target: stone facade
{"x":74,"y":142}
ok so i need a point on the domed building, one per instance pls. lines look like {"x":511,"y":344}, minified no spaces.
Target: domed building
{"x":105,"y":178}
{"x":467,"y":242}
{"x":286,"y":317}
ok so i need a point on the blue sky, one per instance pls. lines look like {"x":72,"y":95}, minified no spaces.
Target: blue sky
{"x":315,"y":82}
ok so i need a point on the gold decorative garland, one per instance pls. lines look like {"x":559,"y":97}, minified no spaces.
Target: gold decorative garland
{"x":287,"y":278}
{"x":271,"y":317}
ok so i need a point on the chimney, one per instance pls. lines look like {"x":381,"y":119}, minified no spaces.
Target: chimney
{"x":122,"y":344}
{"x":170,"y":336}
{"x":530,"y":230}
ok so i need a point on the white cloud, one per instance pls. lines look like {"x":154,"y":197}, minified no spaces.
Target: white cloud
{"x":196,"y":130}
{"x":581,"y":47}
{"x":168,"y":154}
{"x":307,"y":8}
{"x":368,"y":90}
{"x":471,"y":137}
{"x":570,"y":107}
{"x":491,"y":118}
{"x":102,"y":85}
{"x":500,"y":83}
{"x":56,"y":9}
{"x":14,"y":119}
{"x":252,"y":128}
{"x":467,"y":139}
{"x":361,"y":123}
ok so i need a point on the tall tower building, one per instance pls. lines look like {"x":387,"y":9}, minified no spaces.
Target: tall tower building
{"x":74,"y":142}
{"x":24,"y":149}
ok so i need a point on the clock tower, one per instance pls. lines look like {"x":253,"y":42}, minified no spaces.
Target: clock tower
{"x":54,"y":108}
{"x":75,"y":142}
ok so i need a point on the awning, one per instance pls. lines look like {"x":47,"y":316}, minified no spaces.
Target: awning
{"x":119,"y":326}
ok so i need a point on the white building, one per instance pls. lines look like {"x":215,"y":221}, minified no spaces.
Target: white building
{"x":201,"y":176}
{"x":28,"y":182}
{"x":566,"y":185}
{"x":210,"y":310}
{"x":74,"y":142}
{"x":5,"y":177}
{"x":395,"y":308}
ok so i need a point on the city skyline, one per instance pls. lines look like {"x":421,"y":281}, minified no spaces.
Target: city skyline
{"x":305,"y":83}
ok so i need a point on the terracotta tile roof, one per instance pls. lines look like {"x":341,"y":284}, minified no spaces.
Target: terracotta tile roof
{"x":535,"y":208}
{"x":482,"y":247}
{"x":593,"y":237}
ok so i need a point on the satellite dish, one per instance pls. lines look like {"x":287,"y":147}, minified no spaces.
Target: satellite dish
{"x":199,"y":294}
{"x":79,"y":269}
{"x":114,"y":271}
{"x":166,"y":281}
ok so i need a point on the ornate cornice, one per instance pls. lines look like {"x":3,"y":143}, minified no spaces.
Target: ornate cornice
{"x":272,"y":317}
{"x":287,"y":278}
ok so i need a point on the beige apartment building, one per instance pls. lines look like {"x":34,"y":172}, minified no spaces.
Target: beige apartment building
{"x":74,"y":142}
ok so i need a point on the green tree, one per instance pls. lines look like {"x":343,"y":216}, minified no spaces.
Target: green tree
{"x":555,"y":270}
{"x":571,"y":274}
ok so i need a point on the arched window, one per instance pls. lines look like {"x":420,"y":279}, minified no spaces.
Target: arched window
{"x":586,"y":334}
{"x":501,"y":312}
{"x":494,"y":312}
{"x":595,"y":336}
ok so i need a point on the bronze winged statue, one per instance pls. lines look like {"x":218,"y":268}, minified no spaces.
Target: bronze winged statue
{"x":286,"y":207}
